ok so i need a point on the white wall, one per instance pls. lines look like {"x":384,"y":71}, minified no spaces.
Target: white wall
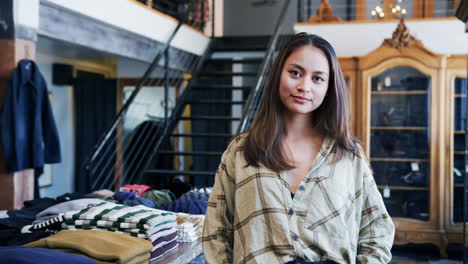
{"x":443,"y":36}
{"x":63,"y":109}
{"x":26,"y":13}
{"x":138,"y":19}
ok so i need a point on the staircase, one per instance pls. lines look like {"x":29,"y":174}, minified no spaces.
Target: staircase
{"x":212,"y":110}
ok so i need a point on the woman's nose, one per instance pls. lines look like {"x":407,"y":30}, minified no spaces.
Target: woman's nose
{"x":304,"y":87}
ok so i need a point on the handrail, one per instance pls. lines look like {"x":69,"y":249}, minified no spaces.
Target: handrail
{"x":249,"y":109}
{"x":98,"y":148}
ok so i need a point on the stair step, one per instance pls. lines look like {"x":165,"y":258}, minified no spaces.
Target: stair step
{"x":231,"y":61}
{"x":219,"y":86}
{"x":181,"y":172}
{"x":219,"y":74}
{"x":203,"y":135}
{"x":214,"y":102}
{"x":191,"y":153}
{"x":209,"y":118}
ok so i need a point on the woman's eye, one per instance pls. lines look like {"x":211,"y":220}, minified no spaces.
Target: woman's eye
{"x":295,"y":73}
{"x":318,"y":78}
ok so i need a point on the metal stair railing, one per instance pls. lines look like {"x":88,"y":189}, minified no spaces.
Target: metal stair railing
{"x":254,"y":100}
{"x":178,"y":110}
{"x":117,"y":157}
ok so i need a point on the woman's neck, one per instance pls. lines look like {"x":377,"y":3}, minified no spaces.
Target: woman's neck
{"x":299,"y":127}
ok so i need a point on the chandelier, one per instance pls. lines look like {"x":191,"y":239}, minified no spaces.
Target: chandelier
{"x":397,"y":10}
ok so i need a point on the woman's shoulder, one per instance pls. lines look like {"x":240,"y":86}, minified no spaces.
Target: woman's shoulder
{"x":237,"y":140}
{"x":235,"y":143}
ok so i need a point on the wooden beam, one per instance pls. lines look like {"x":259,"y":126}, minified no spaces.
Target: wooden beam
{"x":417,"y":8}
{"x":387,"y":8}
{"x":429,"y":8}
{"x":15,"y":188}
{"x":423,"y":8}
{"x":361,"y":9}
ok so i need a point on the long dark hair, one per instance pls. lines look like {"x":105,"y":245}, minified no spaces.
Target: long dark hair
{"x":262,"y":144}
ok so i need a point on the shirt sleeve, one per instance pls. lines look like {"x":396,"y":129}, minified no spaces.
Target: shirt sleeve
{"x":218,"y":233}
{"x":376,"y":228}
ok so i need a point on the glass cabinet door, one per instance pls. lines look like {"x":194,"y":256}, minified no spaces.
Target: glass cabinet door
{"x":400,"y":140}
{"x":459,"y":122}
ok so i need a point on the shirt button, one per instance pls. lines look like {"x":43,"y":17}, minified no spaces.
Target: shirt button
{"x":290,"y":212}
{"x":295,"y":237}
{"x":301,"y":188}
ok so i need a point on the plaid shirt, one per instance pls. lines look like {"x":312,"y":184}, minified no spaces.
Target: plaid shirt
{"x":337,"y":213}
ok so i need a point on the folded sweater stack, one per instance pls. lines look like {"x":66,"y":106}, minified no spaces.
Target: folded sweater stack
{"x":157,"y":226}
{"x":101,"y":246}
{"x":189,"y":227}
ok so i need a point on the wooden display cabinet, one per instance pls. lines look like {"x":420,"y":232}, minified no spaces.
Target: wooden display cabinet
{"x":400,"y":115}
{"x":455,"y":127}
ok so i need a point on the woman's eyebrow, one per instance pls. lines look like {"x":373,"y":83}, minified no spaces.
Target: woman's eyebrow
{"x":297,"y":66}
{"x":303,"y":70}
{"x":320,"y":73}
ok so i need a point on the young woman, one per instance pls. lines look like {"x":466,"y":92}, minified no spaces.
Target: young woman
{"x":297,"y":188}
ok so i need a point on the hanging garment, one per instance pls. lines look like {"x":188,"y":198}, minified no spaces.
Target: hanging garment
{"x":28,"y":135}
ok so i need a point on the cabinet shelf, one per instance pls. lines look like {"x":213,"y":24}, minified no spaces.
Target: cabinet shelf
{"x":458,"y":185}
{"x":398,"y":128}
{"x":403,"y":188}
{"x":459,"y":152}
{"x":460,"y":95}
{"x":399,"y":92}
{"x":459,"y":132}
{"x":399,"y":160}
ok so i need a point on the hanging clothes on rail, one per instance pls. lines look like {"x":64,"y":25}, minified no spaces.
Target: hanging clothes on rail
{"x":28,"y":135}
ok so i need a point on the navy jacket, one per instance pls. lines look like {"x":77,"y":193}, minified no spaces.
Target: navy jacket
{"x":28,"y":135}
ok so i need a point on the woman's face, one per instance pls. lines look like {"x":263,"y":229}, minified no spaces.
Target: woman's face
{"x":304,"y":80}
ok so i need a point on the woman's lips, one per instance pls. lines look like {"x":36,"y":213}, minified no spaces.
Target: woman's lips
{"x":301,"y":99}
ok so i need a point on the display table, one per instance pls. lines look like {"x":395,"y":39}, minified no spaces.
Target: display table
{"x":183,"y":254}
